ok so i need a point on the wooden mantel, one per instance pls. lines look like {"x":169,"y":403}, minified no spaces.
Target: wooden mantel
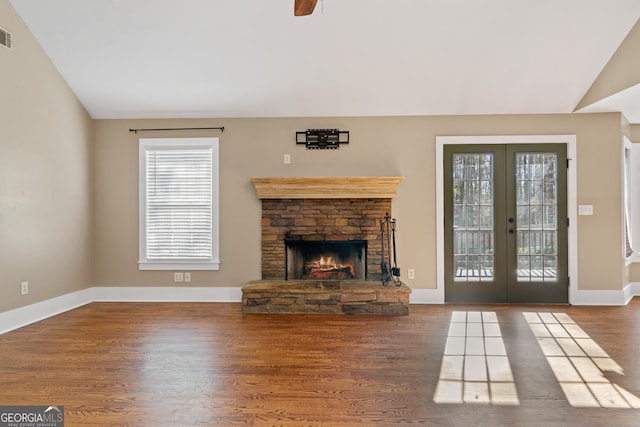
{"x":334,"y":187}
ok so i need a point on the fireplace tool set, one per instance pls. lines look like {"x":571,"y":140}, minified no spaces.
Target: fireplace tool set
{"x":389,"y":264}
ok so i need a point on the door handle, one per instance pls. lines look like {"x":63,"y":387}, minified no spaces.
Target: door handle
{"x":511,"y":220}
{"x":511,"y":231}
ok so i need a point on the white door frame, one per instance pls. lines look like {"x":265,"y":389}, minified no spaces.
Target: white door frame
{"x":569,"y":140}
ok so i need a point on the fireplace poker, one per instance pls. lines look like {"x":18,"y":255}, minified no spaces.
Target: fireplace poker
{"x":390,"y":271}
{"x":383,"y":264}
{"x":395,"y":271}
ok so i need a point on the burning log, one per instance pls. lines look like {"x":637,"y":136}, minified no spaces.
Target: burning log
{"x":327,"y":269}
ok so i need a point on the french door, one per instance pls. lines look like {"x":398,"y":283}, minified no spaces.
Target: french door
{"x":506,"y":223}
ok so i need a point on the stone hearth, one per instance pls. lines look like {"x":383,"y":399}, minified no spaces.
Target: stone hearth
{"x":323,"y":209}
{"x":308,"y":296}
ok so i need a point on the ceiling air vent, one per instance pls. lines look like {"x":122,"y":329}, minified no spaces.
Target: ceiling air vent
{"x":5,"y":38}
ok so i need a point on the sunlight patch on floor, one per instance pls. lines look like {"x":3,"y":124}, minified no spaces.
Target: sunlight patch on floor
{"x":578,"y":363}
{"x":475,"y":367}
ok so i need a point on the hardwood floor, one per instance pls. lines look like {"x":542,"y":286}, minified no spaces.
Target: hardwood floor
{"x":189,"y":364}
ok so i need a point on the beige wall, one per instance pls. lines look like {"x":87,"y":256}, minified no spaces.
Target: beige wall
{"x":633,"y":273}
{"x":621,"y":72}
{"x":379,"y":146}
{"x":634,"y":135}
{"x":45,"y":175}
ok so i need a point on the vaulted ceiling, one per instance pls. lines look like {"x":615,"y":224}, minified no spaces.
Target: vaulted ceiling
{"x":253,"y":58}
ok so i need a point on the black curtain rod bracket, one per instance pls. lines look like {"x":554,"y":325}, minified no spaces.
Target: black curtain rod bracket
{"x":221,"y":129}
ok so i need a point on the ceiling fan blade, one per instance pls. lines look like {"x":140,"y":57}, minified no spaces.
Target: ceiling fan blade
{"x":304,"y":7}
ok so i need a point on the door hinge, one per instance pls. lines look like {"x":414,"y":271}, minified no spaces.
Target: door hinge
{"x":568,"y":282}
{"x":568,"y":160}
{"x":568,"y":222}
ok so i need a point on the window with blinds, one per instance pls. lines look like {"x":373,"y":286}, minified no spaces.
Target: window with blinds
{"x":178,"y":204}
{"x":631,"y":168}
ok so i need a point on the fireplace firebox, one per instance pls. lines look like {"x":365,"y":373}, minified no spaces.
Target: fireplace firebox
{"x":326,"y":259}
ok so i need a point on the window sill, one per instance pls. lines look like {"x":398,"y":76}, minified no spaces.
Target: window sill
{"x":195,"y":266}
{"x":633,"y":259}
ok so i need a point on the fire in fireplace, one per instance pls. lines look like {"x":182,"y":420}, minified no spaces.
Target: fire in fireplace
{"x":326,"y":259}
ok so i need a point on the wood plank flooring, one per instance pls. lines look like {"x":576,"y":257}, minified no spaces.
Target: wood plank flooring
{"x":190,"y":364}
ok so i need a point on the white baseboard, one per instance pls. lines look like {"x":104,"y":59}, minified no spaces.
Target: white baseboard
{"x":630,"y":291}
{"x":427,"y":296}
{"x":579,"y":297}
{"x":622,"y":297}
{"x":23,"y":316}
{"x":166,"y":294}
{"x":597,"y":298}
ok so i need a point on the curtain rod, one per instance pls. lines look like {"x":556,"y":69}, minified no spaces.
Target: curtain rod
{"x":221,"y":129}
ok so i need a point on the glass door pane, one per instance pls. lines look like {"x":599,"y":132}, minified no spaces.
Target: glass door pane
{"x":536,"y":177}
{"x":473,"y":227}
{"x":474,"y":265}
{"x":537,"y":245}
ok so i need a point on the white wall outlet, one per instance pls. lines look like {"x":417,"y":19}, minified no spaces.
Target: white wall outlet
{"x":178,"y":277}
{"x":287,"y":159}
{"x":585,"y":209}
{"x":187,"y":276}
{"x":24,"y":288}
{"x":411,"y":274}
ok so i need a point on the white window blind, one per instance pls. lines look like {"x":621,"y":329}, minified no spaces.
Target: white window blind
{"x":631,"y":200}
{"x":178,"y":203}
{"x":627,"y":198}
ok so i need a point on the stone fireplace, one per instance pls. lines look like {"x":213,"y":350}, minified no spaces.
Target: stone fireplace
{"x":321,"y":246}
{"x":286,"y":221}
